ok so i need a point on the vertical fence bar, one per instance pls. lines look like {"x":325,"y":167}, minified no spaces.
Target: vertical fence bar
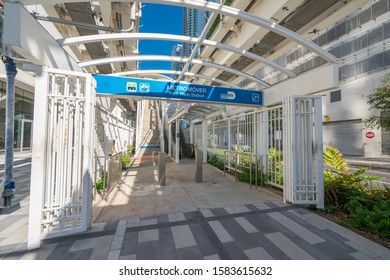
{"x":319,"y":164}
{"x":38,"y":165}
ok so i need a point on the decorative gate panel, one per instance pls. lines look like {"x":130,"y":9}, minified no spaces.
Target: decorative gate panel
{"x":65,"y":151}
{"x":303,"y":163}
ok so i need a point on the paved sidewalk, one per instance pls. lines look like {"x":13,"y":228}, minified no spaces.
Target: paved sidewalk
{"x":254,"y":231}
{"x":219,"y":219}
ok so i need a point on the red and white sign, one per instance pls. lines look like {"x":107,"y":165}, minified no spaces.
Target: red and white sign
{"x":370,"y":135}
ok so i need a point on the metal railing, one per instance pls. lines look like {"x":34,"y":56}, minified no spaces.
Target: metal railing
{"x":160,"y":125}
{"x":240,"y":163}
{"x":110,"y":173}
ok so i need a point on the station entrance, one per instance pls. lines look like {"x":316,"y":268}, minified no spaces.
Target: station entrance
{"x":62,"y":164}
{"x":284,"y":135}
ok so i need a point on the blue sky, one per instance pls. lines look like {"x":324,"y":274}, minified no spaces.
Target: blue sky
{"x":159,"y":19}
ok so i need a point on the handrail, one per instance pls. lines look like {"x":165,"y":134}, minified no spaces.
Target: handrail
{"x":139,"y":128}
{"x":232,"y":161}
{"x":113,"y":167}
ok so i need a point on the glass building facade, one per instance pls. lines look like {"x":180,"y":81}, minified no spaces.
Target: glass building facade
{"x":24,"y":109}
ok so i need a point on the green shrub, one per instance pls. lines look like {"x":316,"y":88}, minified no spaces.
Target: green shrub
{"x":131,"y":149}
{"x":214,"y":161}
{"x":275,"y":163}
{"x":245,"y":177}
{"x":125,"y":160}
{"x":365,"y":207}
{"x":102,"y":182}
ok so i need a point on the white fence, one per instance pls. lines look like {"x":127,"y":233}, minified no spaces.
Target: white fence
{"x":287,"y":140}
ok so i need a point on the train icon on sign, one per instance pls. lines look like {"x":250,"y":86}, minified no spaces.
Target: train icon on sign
{"x":131,"y":87}
{"x":144,"y":87}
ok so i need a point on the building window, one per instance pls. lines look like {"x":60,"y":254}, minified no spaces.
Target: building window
{"x":335,"y":96}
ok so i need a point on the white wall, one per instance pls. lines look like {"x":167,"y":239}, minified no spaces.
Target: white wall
{"x":353,"y":106}
{"x":111,"y":125}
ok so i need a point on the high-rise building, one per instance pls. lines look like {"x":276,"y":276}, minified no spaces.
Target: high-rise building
{"x":193,"y":23}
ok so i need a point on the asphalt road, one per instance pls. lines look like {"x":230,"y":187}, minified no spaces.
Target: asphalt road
{"x":381,"y":172}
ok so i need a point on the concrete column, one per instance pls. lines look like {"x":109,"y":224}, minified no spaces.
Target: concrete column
{"x":177,"y":135}
{"x":161,"y":168}
{"x":162,"y":142}
{"x":170,"y":140}
{"x":204,"y":140}
{"x":138,"y":128}
{"x":199,"y":167}
{"x":229,"y":135}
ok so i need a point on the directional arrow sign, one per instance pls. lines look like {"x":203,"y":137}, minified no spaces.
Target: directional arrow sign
{"x":168,"y":90}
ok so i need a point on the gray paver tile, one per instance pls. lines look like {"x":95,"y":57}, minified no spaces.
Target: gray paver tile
{"x":133,"y":222}
{"x":97,"y":227}
{"x":39,"y":254}
{"x":212,"y":257}
{"x":247,"y":226}
{"x":288,"y":246}
{"x":258,"y":254}
{"x":149,"y":251}
{"x":103,"y":245}
{"x":121,"y":228}
{"x":189,"y":253}
{"x":237,"y":209}
{"x":360,"y":256}
{"x":113,"y":255}
{"x":183,"y":236}
{"x":299,"y":230}
{"x":84,"y":244}
{"x":262,"y":206}
{"x":176,"y":217}
{"x":220,"y":231}
{"x":148,"y":222}
{"x":128,"y":257}
{"x":206,"y":213}
{"x":371,"y":251}
{"x":148,"y":235}
{"x":234,"y":251}
{"x":117,"y":243}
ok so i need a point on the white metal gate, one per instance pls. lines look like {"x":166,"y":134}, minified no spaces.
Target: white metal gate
{"x":303,"y":162}
{"x":61,"y":180}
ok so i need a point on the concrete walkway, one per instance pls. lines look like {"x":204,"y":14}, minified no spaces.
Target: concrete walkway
{"x":218,"y":219}
{"x":139,"y":195}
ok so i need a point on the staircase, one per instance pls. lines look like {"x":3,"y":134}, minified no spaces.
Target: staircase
{"x":150,"y":143}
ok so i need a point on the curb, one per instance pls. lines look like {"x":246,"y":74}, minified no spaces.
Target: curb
{"x":377,"y":164}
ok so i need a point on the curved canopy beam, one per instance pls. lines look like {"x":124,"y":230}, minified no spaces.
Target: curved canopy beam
{"x":170,"y":37}
{"x":173,"y":72}
{"x":102,"y":61}
{"x":227,"y":11}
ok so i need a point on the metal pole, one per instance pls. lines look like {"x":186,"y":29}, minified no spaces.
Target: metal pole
{"x":177,"y":139}
{"x":161,"y":168}
{"x":9,"y":184}
{"x":199,"y":167}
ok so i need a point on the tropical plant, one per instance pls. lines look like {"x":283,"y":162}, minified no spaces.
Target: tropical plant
{"x":364,"y":206}
{"x":340,"y":184}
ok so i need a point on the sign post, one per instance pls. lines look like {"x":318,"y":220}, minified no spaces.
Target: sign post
{"x":170,"y":90}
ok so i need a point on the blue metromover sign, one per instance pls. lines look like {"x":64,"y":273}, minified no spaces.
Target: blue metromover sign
{"x":169,"y":90}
